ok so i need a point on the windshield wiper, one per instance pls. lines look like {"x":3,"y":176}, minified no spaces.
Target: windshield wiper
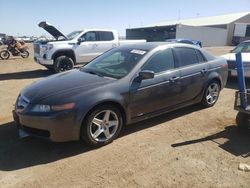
{"x":93,"y":72}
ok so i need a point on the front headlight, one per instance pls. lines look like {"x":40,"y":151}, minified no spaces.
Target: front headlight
{"x":46,"y":47}
{"x":49,"y":46}
{"x":53,"y":108}
{"x":41,"y":108}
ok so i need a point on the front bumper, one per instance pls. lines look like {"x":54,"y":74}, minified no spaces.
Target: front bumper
{"x":57,"y":128}
{"x":233,"y":72}
{"x":43,"y":61}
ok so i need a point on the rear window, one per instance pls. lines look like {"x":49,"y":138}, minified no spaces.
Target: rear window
{"x":207,"y":55}
{"x":106,"y":36}
{"x":186,"y":56}
{"x":200,"y":56}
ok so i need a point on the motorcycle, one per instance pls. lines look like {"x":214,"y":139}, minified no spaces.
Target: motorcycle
{"x":5,"y":54}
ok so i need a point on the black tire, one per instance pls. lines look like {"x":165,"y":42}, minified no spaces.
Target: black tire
{"x":88,"y":127}
{"x":206,"y":102}
{"x":243,"y":121}
{"x":5,"y":54}
{"x":25,"y":54}
{"x":63,"y":63}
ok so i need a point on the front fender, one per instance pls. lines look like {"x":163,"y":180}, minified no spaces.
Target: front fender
{"x":85,"y":107}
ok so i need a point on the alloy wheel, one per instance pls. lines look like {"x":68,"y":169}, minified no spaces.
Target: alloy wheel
{"x":104,"y":125}
{"x":212,"y":93}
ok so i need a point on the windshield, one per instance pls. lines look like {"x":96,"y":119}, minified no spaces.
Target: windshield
{"x":243,"y":47}
{"x":73,"y":34}
{"x":115,"y":63}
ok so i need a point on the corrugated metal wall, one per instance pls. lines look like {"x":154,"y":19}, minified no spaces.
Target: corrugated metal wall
{"x":209,"y":36}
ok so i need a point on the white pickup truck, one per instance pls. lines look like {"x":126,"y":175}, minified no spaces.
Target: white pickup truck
{"x":77,"y":47}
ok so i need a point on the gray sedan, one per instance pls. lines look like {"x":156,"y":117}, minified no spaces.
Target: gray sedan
{"x":124,"y":85}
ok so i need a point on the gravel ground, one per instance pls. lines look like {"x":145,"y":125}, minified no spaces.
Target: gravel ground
{"x":192,"y":147}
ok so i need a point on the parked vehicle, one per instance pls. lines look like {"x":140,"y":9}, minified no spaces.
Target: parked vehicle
{"x":77,"y":47}
{"x":244,"y":48}
{"x":5,"y":54}
{"x":124,"y":85}
{"x":186,"y":41}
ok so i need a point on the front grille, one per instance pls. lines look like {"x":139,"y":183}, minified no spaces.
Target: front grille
{"x":36,"y":48}
{"x":247,"y":65}
{"x":36,"y":132}
{"x":231,"y":64}
{"x":22,"y":103}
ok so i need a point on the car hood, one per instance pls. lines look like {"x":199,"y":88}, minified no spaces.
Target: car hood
{"x":231,"y":57}
{"x":51,"y":30}
{"x":63,"y":83}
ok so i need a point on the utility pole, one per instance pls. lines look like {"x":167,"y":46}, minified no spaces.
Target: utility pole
{"x":179,"y":14}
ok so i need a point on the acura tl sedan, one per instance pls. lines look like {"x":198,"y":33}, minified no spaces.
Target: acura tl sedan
{"x":124,"y":85}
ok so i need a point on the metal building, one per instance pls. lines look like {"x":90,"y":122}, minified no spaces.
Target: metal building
{"x":211,"y":31}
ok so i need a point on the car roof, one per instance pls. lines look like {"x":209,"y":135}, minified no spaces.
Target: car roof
{"x":148,"y":46}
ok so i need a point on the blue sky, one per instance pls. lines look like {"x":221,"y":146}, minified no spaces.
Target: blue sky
{"x":20,"y":17}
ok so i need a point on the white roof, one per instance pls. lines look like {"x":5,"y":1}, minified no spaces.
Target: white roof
{"x":203,"y":21}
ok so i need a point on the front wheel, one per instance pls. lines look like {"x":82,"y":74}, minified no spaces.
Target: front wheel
{"x":102,"y":126}
{"x":63,"y":63}
{"x":4,"y":54}
{"x":211,"y":94}
{"x":243,"y":120}
{"x":25,"y":54}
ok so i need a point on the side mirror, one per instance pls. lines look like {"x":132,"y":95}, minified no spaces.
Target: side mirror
{"x":144,"y":75}
{"x":80,"y":40}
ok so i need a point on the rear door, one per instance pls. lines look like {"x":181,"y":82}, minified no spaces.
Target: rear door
{"x":193,"y":72}
{"x":160,"y":92}
{"x":106,"y":41}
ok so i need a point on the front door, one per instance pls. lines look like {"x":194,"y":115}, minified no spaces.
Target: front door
{"x":87,"y":49}
{"x":158,"y":93}
{"x":94,"y":44}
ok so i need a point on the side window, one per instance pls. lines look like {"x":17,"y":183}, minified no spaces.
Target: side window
{"x":106,"y":36}
{"x":200,"y":56}
{"x":185,"y":56}
{"x":160,"y":61}
{"x":89,"y":36}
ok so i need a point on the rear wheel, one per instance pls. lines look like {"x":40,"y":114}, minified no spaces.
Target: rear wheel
{"x":102,"y":126}
{"x":243,"y":120}
{"x":211,"y":94}
{"x":63,"y":63}
{"x":4,"y":54}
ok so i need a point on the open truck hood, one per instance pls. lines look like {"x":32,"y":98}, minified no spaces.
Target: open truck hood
{"x":51,"y":30}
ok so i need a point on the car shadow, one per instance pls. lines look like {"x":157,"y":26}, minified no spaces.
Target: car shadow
{"x":232,"y":83}
{"x":237,"y":141}
{"x":25,"y":75}
{"x":19,"y":153}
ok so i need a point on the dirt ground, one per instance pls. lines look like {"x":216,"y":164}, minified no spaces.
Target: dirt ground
{"x":192,"y":147}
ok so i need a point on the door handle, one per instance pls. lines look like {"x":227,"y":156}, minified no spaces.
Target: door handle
{"x":174,"y":78}
{"x":203,"y":71}
{"x":94,"y":45}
